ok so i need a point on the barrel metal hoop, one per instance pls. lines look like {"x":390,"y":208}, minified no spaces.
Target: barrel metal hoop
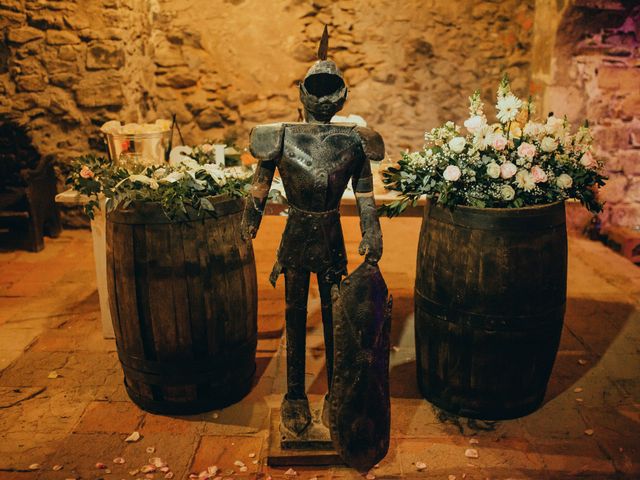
{"x":492,"y":322}
{"x":218,"y":375}
{"x":189,"y":371}
{"x":231,"y":392}
{"x":529,"y":219}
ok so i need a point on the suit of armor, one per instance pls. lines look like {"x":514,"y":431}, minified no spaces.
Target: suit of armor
{"x":316,"y":160}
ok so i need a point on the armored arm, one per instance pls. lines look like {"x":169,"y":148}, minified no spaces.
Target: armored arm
{"x":266,"y":146}
{"x":373,"y":148}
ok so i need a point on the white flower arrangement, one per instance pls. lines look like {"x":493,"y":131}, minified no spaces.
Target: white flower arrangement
{"x":189,"y":179}
{"x":515,"y":162}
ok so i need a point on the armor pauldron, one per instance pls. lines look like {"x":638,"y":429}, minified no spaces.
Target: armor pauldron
{"x":372,"y":143}
{"x":267,"y":141}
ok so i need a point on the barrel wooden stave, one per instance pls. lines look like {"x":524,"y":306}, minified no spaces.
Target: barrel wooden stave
{"x":490,"y":298}
{"x":184,"y":306}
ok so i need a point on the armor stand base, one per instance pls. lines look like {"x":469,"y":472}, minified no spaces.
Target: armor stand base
{"x":312,"y":448}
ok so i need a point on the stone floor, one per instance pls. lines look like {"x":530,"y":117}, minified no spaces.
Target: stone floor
{"x":62,"y":402}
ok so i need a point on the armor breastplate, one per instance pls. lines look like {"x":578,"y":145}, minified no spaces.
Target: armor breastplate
{"x":317,"y":163}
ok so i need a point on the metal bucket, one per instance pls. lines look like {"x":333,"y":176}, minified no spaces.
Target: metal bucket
{"x":141,"y":149}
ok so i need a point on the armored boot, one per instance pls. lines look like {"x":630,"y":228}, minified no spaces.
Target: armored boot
{"x":295,"y":414}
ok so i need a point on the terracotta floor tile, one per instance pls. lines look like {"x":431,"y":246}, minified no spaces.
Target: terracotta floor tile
{"x":111,"y":417}
{"x":224,"y":451}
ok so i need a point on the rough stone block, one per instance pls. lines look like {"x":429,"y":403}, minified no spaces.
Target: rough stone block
{"x":63,"y":79}
{"x":24,"y":35}
{"x":616,"y":78}
{"x":633,"y":190}
{"x":629,"y":161}
{"x":101,"y":89}
{"x":60,"y":37}
{"x":104,"y":55}
{"x":625,"y":215}
{"x":45,"y":19}
{"x":31,"y":83}
{"x":209,"y":118}
{"x":178,"y":78}
{"x":168,"y":55}
{"x":615,"y":189}
{"x":8,"y":19}
{"x":611,"y":137}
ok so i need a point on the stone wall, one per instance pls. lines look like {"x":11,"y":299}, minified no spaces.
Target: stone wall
{"x":223,"y":66}
{"x":591,"y":70}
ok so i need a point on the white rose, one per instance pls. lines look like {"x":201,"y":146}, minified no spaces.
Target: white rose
{"x":493,"y":170}
{"x":475,"y":123}
{"x":451,"y":173}
{"x":548,"y":144}
{"x":507,"y":192}
{"x":457,"y":144}
{"x":564,"y":181}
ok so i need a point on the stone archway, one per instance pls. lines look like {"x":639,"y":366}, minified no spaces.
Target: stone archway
{"x":586,"y":64}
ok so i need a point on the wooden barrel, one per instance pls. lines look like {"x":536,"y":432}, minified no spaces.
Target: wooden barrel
{"x":489,"y":307}
{"x":183,"y":299}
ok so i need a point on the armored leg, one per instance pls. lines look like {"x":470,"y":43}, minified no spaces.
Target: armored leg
{"x":325,"y":282}
{"x":296,"y":415}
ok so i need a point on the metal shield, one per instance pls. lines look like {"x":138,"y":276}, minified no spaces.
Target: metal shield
{"x":359,"y":405}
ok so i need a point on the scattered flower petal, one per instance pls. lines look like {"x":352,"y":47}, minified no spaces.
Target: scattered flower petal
{"x":579,"y":400}
{"x":582,"y":361}
{"x":238,"y":463}
{"x":53,"y":374}
{"x":452,"y":477}
{"x":212,"y":470}
{"x":164,"y":469}
{"x":134,"y":472}
{"x":588,"y":431}
{"x":151,"y":449}
{"x":34,"y":466}
{"x":421,"y":465}
{"x":291,"y":472}
{"x":118,"y":460}
{"x":474,"y":441}
{"x":148,"y":469}
{"x":370,"y":476}
{"x":169,"y":475}
{"x":252,"y":455}
{"x":134,"y":437}
{"x":577,"y":389}
{"x":57,"y":468}
{"x":243,"y":469}
{"x":157,"y":462}
{"x":471,"y":453}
